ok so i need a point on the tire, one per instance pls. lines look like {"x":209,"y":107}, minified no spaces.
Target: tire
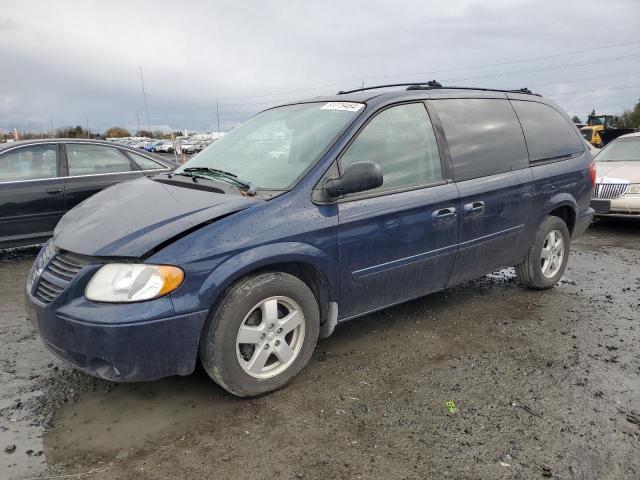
{"x":533,"y":272}
{"x":249,"y":304}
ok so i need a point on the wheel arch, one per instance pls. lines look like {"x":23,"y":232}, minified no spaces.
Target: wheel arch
{"x":563,"y":206}
{"x":305,"y":262}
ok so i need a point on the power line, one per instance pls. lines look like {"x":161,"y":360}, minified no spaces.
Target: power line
{"x":432,"y":72}
{"x":545,"y":69}
{"x":511,"y":62}
{"x":564,"y":94}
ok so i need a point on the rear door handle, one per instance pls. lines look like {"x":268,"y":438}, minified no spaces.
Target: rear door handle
{"x":474,"y":207}
{"x":53,"y":191}
{"x":444,"y":213}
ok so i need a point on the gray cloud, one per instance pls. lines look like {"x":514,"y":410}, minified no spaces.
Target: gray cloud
{"x":66,"y":63}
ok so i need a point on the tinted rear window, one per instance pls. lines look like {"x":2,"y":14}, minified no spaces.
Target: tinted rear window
{"x":549,"y":134}
{"x":484,"y":136}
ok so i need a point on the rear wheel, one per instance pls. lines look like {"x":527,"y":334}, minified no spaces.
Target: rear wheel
{"x":261,"y":334}
{"x":547,"y":256}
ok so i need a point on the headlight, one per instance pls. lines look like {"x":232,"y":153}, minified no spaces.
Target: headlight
{"x":130,"y":282}
{"x":634,"y":188}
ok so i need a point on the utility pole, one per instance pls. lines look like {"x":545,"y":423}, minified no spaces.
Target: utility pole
{"x":144,"y":96}
{"x":87,"y":127}
{"x":138,"y":120}
{"x":51,"y":124}
{"x":218,"y":116}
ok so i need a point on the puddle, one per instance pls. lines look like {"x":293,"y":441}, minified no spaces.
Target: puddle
{"x":121,"y":417}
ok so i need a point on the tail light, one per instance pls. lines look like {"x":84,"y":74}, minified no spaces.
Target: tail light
{"x":592,"y":173}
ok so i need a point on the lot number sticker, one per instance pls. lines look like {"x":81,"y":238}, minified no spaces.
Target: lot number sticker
{"x":345,"y":106}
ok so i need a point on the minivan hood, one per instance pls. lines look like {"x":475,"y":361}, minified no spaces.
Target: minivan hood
{"x":131,"y":218}
{"x":614,"y":172}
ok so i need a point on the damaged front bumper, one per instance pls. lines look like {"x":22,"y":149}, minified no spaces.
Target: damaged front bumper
{"x":130,"y":351}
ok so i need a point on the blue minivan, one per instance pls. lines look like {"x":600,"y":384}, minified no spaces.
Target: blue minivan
{"x":307,"y":215}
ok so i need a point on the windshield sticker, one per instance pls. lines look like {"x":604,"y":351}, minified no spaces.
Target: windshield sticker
{"x":345,"y":106}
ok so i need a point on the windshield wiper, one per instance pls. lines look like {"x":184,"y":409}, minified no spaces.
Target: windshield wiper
{"x":252,"y":189}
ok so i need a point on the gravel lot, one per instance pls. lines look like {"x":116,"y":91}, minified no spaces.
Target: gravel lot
{"x":545,"y":384}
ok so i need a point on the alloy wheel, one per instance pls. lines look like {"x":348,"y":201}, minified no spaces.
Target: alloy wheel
{"x":270,"y":337}
{"x":552,"y":254}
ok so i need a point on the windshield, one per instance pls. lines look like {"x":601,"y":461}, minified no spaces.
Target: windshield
{"x":621,"y":150}
{"x":275,"y":147}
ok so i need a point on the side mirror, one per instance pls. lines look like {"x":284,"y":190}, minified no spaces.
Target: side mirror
{"x":357,"y":177}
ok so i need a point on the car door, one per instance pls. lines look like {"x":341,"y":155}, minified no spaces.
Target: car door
{"x":31,"y":193}
{"x":491,"y":169}
{"x":398,"y":241}
{"x":93,"y":167}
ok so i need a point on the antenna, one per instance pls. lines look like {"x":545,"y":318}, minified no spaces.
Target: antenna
{"x":218,"y":117}
{"x":144,"y":96}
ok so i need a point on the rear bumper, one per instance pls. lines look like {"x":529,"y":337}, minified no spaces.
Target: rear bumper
{"x":135,"y":351}
{"x":583,"y":220}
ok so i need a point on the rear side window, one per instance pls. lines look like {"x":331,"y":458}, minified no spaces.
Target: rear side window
{"x":29,"y":163}
{"x":87,"y":159}
{"x":484,"y":136}
{"x":548,"y":133}
{"x":401,"y":141}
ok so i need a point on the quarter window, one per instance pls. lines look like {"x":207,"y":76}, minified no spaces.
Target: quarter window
{"x":401,"y":141}
{"x":29,"y":163}
{"x":95,"y":159}
{"x":548,"y":133}
{"x":483,"y":135}
{"x":145,"y":163}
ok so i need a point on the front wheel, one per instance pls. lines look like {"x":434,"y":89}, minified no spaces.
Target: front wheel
{"x":261,"y":334}
{"x":547,"y":257}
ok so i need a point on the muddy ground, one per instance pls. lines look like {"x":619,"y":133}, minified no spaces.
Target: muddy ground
{"x":545,"y":384}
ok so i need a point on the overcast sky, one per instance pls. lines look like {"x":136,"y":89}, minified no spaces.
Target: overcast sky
{"x":70,"y":62}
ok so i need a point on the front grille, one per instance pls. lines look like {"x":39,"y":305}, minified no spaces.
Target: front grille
{"x":610,"y":190}
{"x":58,"y":273}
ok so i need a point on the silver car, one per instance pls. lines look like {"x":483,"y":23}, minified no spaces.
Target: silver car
{"x":617,"y":189}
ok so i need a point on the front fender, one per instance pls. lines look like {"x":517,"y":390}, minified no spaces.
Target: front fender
{"x":256,"y":258}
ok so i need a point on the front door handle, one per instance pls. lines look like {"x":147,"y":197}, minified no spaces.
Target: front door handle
{"x":444,"y":213}
{"x":474,"y":207}
{"x":53,"y":191}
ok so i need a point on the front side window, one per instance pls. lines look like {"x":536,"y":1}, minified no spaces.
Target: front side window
{"x":549,"y":134}
{"x":401,"y":141}
{"x":29,"y":163}
{"x":277,"y":146}
{"x":87,"y":159}
{"x":621,"y":150}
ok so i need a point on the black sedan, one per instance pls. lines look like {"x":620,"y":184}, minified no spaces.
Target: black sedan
{"x":41,"y":179}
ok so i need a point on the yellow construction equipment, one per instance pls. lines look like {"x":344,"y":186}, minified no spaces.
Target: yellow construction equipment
{"x":599,"y":130}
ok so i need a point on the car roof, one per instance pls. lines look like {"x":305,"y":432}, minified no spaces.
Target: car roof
{"x":628,"y":135}
{"x":20,"y":143}
{"x":385,"y":94}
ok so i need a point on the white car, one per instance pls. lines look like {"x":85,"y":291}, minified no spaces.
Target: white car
{"x":164,"y":147}
{"x":188,"y":147}
{"x":617,"y":189}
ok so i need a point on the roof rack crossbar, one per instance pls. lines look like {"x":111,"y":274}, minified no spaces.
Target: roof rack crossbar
{"x":434,"y":85}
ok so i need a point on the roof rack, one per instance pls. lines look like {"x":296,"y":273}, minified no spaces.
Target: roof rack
{"x":434,"y":85}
